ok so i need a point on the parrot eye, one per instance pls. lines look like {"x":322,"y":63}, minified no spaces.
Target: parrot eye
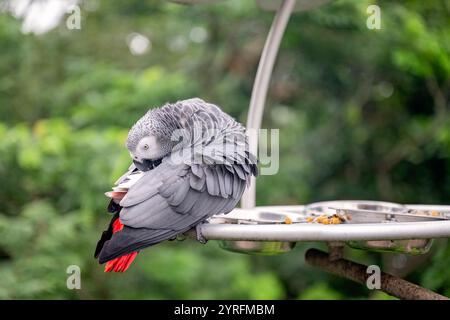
{"x":145,"y":146}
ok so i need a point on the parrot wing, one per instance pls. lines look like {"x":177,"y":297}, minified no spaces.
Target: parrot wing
{"x":131,"y":169}
{"x":173,"y":198}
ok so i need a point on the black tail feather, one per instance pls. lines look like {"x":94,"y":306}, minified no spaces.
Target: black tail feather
{"x":107,"y":234}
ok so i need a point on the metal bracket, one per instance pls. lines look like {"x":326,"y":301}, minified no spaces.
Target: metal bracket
{"x":199,"y":234}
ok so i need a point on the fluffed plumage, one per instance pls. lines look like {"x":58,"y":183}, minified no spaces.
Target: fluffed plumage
{"x":193,"y":162}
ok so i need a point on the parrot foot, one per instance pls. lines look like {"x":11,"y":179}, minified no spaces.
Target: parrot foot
{"x":200,"y":237}
{"x":180,"y":237}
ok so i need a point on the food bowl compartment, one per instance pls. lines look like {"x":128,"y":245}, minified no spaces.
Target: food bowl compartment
{"x":241,"y":216}
{"x":372,"y":212}
{"x":412,"y":247}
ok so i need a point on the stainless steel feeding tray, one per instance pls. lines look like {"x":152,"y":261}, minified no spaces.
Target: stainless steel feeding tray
{"x":367,"y":225}
{"x":374,"y":211}
{"x":382,"y":213}
{"x":252,"y":217}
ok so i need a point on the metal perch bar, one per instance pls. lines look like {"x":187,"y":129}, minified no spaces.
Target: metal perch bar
{"x":357,"y":272}
{"x":327,"y":233}
{"x":319,"y":232}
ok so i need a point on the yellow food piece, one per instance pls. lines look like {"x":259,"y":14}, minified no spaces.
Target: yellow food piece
{"x":435,"y":213}
{"x":335,"y":220}
{"x":287,"y":220}
{"x":324,"y":219}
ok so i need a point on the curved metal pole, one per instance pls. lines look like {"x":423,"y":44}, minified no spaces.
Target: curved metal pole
{"x":319,"y":232}
{"x":261,"y":85}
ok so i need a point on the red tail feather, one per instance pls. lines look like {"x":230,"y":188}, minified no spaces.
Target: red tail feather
{"x":122,"y":263}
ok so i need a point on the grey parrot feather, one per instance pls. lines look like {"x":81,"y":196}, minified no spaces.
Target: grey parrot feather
{"x":174,"y":196}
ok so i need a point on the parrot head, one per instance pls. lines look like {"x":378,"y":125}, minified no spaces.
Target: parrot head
{"x":148,"y":143}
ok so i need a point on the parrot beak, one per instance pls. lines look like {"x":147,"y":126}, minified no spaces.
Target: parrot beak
{"x":140,"y":165}
{"x":146,"y":164}
{"x":138,"y":162}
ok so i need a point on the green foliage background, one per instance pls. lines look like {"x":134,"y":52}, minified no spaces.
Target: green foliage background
{"x":364,"y":114}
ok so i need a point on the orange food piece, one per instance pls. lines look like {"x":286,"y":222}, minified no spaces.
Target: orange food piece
{"x":324,"y":219}
{"x":435,"y":213}
{"x":287,"y":220}
{"x":335,"y":220}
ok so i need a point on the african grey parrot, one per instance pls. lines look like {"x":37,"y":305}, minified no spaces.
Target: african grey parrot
{"x":190,"y":161}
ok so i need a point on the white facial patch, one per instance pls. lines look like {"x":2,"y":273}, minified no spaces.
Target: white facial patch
{"x":148,"y":148}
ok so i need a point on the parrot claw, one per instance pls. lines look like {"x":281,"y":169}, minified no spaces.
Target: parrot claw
{"x":200,"y":237}
{"x":180,"y":237}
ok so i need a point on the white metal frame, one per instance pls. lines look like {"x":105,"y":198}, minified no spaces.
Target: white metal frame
{"x":304,"y":232}
{"x":319,"y":232}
